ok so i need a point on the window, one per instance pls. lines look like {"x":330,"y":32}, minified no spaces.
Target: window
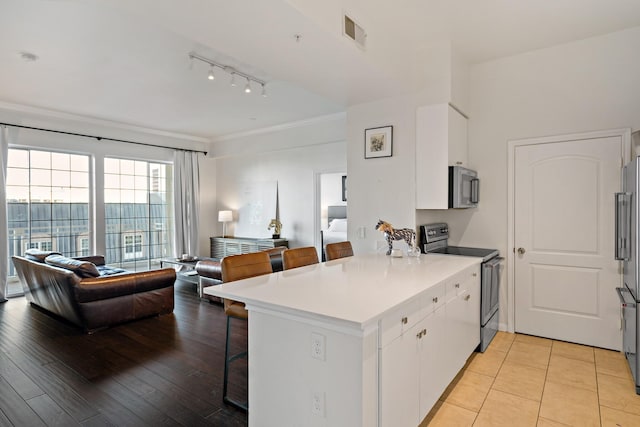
{"x":133,"y":246}
{"x":138,"y":213}
{"x":43,"y":246}
{"x":47,"y":201}
{"x":84,"y":247}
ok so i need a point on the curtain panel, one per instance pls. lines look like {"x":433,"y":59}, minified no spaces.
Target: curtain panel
{"x":186,"y":184}
{"x":4,"y":226}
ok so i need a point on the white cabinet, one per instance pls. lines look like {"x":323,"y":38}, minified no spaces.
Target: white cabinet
{"x":396,"y":383}
{"x":417,"y":363}
{"x":441,"y":141}
{"x":463,"y":316}
{"x":433,"y":379}
{"x":457,"y":142}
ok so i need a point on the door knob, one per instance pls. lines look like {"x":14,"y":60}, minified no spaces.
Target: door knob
{"x":521,"y":251}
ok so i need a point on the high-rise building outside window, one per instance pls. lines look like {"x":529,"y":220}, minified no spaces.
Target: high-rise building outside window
{"x":47,"y":202}
{"x":138,"y":213}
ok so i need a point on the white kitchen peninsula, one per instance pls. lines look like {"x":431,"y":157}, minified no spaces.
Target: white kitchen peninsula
{"x":360,"y":341}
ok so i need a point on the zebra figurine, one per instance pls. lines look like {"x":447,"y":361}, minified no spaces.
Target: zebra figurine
{"x":391,"y":234}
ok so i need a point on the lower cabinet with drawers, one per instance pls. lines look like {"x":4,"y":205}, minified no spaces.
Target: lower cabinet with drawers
{"x":424,"y":344}
{"x":364,"y":341}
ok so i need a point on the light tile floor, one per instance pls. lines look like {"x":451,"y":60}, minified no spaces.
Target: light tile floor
{"x":523,"y":380}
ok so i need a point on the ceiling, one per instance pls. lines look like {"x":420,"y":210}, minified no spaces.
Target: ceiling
{"x":127,"y":61}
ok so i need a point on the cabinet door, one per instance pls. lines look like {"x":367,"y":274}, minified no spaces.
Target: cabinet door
{"x":458,"y":148}
{"x":433,"y":380}
{"x":432,"y":174}
{"x":399,"y":377}
{"x":441,"y":141}
{"x":471,"y":319}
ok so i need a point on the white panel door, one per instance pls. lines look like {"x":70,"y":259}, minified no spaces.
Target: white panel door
{"x":565,"y":272}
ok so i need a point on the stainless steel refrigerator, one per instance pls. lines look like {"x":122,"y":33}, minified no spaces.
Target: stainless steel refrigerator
{"x":627,"y":208}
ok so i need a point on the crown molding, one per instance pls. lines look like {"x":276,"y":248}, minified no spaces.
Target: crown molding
{"x":53,"y":114}
{"x":285,"y":126}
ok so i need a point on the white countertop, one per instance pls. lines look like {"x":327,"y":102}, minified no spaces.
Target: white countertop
{"x":356,"y":290}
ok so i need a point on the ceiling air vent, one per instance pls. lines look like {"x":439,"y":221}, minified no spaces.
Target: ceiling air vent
{"x":354,"y":31}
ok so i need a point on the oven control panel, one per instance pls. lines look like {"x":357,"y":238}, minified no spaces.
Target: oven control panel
{"x":430,"y":233}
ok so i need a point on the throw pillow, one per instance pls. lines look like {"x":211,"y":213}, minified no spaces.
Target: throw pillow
{"x":38,"y":255}
{"x":105,"y":270}
{"x":81,"y":268}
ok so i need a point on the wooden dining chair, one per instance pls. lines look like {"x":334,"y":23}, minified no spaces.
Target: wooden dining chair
{"x":237,"y":267}
{"x":338,"y":250}
{"x":299,"y":257}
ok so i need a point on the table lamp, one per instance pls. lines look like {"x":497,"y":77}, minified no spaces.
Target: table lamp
{"x":224,"y":217}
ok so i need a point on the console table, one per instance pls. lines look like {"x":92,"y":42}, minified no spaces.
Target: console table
{"x":224,"y":246}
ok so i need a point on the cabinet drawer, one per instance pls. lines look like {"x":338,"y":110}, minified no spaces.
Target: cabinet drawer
{"x":399,"y":321}
{"x":457,"y":284}
{"x":433,"y":298}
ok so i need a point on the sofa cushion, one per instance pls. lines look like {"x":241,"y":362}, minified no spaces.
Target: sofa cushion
{"x":106,"y":270}
{"x":81,"y":268}
{"x":37,"y":255}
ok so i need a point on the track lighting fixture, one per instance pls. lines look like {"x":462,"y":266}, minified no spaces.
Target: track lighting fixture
{"x":230,"y":70}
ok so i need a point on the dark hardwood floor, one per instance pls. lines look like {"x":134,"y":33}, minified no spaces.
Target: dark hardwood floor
{"x":164,"y":370}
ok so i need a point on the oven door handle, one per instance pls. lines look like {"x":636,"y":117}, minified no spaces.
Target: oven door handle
{"x":623,"y":301}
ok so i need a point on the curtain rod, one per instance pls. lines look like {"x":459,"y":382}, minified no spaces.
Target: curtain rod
{"x":100,"y":138}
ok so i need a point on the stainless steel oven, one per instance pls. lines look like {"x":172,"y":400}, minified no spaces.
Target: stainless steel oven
{"x":434,"y":238}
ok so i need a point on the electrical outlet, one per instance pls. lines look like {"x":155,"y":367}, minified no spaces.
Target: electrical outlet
{"x":317,"y":403}
{"x":318,"y":346}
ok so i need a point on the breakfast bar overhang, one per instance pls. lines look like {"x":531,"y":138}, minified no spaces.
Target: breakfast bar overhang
{"x":360,"y":341}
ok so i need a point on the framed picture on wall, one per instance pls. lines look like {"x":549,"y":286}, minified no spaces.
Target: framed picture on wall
{"x":378,"y":142}
{"x":344,"y":188}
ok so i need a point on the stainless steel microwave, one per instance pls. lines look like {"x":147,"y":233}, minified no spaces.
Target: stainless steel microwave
{"x":464,"y":187}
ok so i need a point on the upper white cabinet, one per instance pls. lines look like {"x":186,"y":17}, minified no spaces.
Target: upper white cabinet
{"x":441,"y":141}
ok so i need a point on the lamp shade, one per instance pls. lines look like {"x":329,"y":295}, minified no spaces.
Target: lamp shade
{"x":225,"y":216}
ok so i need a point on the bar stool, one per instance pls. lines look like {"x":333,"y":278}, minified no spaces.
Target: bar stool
{"x":239,"y":267}
{"x":338,"y":250}
{"x":299,"y":257}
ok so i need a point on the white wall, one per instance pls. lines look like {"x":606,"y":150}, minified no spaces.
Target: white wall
{"x":209,"y":225}
{"x":587,"y":85}
{"x":293,"y":155}
{"x":384,"y":188}
{"x":381,"y":188}
{"x":294,"y":169}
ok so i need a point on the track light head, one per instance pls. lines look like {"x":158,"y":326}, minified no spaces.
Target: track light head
{"x":235,"y":74}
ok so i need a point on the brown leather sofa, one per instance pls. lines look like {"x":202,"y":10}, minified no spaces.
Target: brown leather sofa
{"x":210,"y":270}
{"x":71,"y":289}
